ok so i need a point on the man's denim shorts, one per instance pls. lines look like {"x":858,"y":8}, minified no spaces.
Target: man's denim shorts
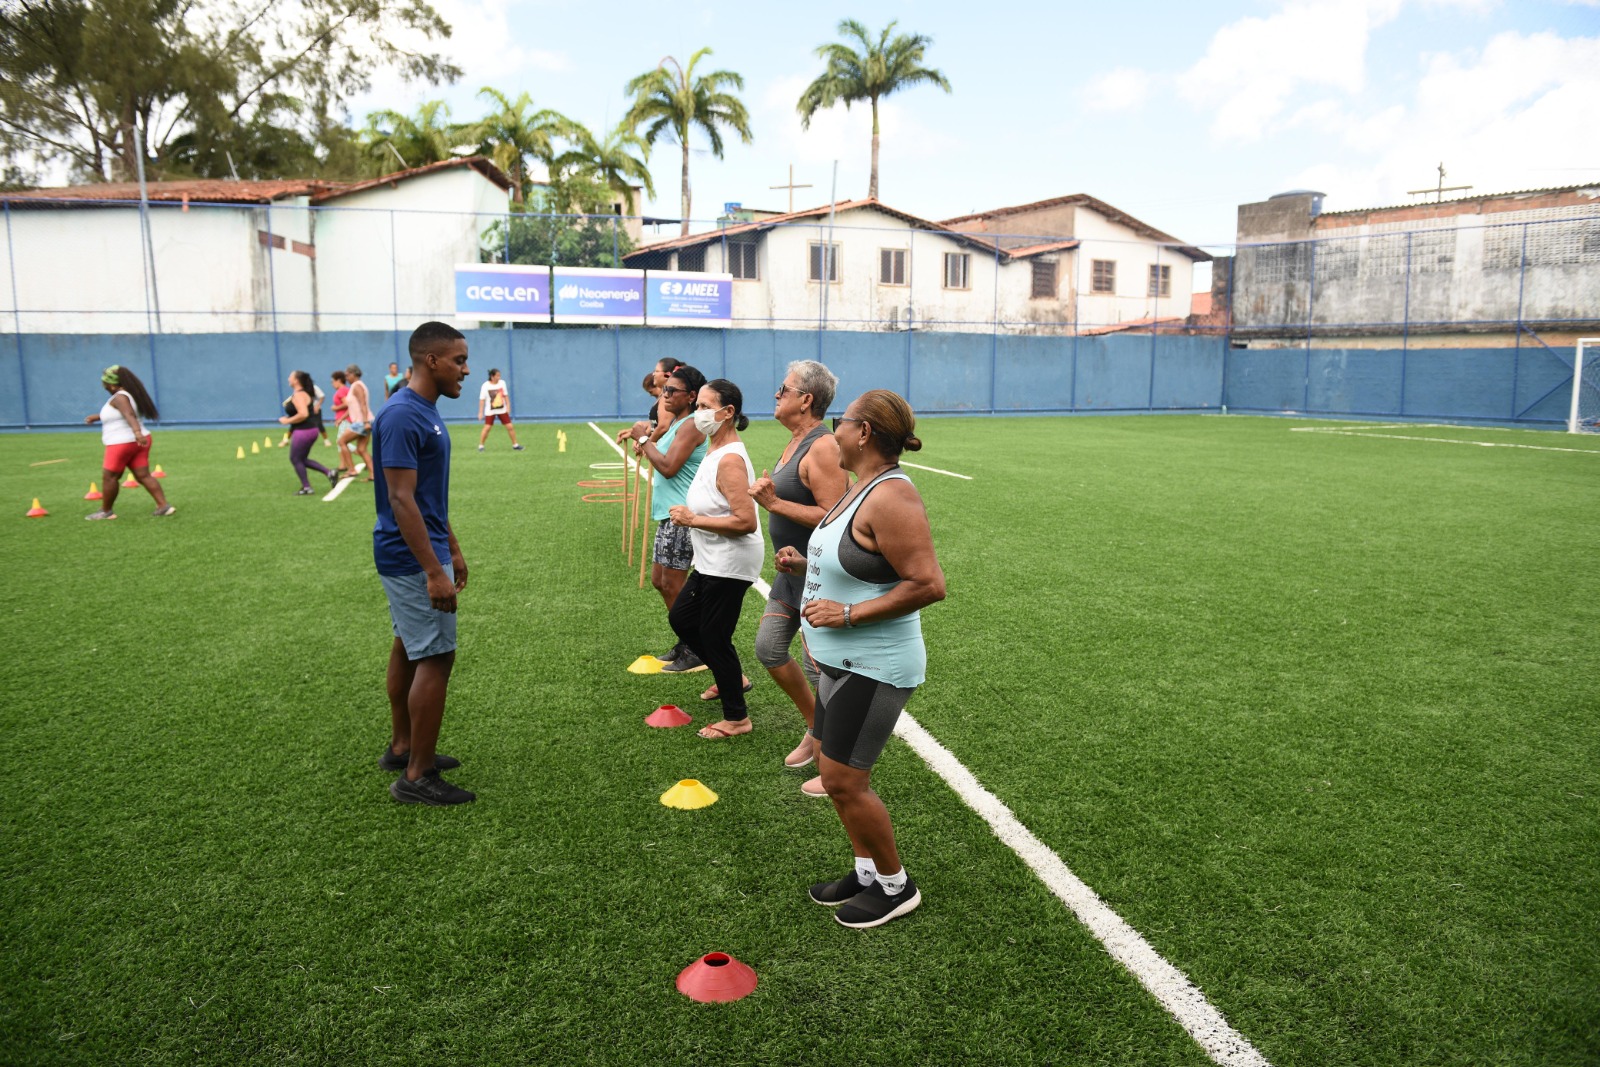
{"x":423,"y":631}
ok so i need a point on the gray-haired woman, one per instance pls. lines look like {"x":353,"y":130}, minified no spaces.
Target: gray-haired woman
{"x":806,"y":482}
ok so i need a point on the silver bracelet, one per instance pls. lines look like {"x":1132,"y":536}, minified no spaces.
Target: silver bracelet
{"x":847,"y":623}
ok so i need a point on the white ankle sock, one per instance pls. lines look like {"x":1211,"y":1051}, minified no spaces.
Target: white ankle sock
{"x":865,"y":869}
{"x":893,"y":883}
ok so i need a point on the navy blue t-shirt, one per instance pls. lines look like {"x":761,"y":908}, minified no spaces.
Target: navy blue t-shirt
{"x":409,"y":433}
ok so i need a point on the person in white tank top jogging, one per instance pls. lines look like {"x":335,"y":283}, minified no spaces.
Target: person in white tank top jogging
{"x":728,"y":550}
{"x":869,"y":571}
{"x":127,"y":440}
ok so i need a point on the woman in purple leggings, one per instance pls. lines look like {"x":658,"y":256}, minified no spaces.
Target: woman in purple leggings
{"x":305,"y":425}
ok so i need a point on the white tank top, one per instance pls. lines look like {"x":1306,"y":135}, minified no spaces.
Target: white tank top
{"x":719,"y":555}
{"x":114,"y":427}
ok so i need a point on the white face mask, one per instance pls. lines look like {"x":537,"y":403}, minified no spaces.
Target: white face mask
{"x":705,"y":420}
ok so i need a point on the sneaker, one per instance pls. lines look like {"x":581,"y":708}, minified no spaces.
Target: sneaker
{"x":516,"y":448}
{"x":814,"y":787}
{"x":480,"y":448}
{"x":163,"y":512}
{"x":672,"y":653}
{"x":686,"y":663}
{"x":304,"y":490}
{"x":333,"y":479}
{"x":431,"y":790}
{"x":98,"y":515}
{"x":832,"y":894}
{"x":873,"y":906}
{"x":390,"y":762}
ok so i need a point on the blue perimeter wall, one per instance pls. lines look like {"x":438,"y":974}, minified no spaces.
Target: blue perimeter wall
{"x":570,"y":374}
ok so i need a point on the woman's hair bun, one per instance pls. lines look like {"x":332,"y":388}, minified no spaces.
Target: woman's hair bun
{"x":913,"y":443}
{"x":743,"y":423}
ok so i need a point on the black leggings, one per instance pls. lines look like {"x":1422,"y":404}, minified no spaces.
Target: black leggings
{"x":704,"y":617}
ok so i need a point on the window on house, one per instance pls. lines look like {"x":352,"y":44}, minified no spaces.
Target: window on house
{"x":956,"y":265}
{"x":692,"y":259}
{"x":742,"y":260}
{"x":823,"y":256}
{"x":891,"y":266}
{"x":1044,"y":279}
{"x":1104,"y":278}
{"x":1160,"y":280}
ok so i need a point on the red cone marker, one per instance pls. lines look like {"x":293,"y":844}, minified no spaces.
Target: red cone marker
{"x":717,"y":978}
{"x":667,"y":715}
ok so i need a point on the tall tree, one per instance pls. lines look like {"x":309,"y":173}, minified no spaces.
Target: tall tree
{"x":615,"y":164}
{"x":429,"y":137}
{"x":87,"y":80}
{"x":513,"y":135}
{"x":887,"y":65}
{"x":677,"y":101}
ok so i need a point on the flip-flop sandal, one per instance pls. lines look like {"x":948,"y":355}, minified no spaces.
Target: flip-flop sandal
{"x":717,"y":733}
{"x":713,"y":693}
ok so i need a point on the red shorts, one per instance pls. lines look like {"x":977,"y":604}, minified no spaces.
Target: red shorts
{"x":120,"y":457}
{"x":504,"y":417}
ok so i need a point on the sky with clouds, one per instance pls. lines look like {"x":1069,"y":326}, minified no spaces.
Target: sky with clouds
{"x":1175,"y":113}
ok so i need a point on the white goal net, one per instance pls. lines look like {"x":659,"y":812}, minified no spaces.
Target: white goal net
{"x":1585,"y":416}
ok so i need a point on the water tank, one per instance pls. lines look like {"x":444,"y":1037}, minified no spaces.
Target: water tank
{"x":1316,"y":198}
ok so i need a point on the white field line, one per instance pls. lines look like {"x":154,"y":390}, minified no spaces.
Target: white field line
{"x":1170,"y":986}
{"x":344,"y":483}
{"x":936,"y":470}
{"x":1444,"y":440}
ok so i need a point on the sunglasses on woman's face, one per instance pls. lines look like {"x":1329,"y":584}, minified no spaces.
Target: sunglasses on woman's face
{"x":668,"y":390}
{"x":843,"y":418}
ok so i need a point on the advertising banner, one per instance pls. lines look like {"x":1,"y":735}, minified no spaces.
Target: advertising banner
{"x":686,"y":298}
{"x":598,"y":295}
{"x":502,"y":292}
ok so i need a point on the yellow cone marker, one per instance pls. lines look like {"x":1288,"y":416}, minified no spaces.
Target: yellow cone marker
{"x":266,"y":442}
{"x":241,"y":451}
{"x":255,"y":449}
{"x":158,"y":472}
{"x":646,"y":664}
{"x":94,"y":492}
{"x":38,"y":512}
{"x":561,"y":441}
{"x":688,"y":795}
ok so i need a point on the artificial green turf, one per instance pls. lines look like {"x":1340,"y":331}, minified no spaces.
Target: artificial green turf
{"x":1315,"y":714}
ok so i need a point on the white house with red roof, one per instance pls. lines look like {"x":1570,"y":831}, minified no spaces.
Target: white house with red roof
{"x":232,"y":256}
{"x":1059,"y":266}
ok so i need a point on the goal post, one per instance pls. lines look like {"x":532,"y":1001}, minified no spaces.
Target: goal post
{"x":1585,"y":414}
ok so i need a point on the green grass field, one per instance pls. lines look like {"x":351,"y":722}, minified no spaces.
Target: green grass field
{"x":1316,"y":714}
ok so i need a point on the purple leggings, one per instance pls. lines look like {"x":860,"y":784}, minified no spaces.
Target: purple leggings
{"x":300,"y":443}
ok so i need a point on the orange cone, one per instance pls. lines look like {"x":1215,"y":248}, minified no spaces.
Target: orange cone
{"x":667,"y":715}
{"x":37,"y":511}
{"x":131,"y":483}
{"x":716,"y":978}
{"x":94,"y":492}
{"x":159,"y":472}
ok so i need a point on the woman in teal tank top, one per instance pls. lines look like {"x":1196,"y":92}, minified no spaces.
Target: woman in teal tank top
{"x":676,"y":456}
{"x":869,"y":570}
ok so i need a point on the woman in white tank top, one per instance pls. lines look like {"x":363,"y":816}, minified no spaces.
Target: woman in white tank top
{"x":728,"y":551}
{"x":126,"y":439}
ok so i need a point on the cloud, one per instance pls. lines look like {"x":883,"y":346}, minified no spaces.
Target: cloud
{"x":847,"y":135}
{"x":1123,"y":89}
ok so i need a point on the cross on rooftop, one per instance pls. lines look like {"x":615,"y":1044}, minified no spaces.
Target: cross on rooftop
{"x":791,"y":187}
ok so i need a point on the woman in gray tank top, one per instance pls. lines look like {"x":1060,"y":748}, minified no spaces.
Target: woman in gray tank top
{"x":805,"y":484}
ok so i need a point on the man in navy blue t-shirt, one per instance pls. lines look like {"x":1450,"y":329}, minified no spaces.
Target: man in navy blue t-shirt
{"x":419,"y":562}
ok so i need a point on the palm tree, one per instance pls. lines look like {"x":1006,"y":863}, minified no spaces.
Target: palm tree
{"x":615,"y":164}
{"x":431,"y":137}
{"x":677,"y":101}
{"x":511,"y":136}
{"x":879,"y":69}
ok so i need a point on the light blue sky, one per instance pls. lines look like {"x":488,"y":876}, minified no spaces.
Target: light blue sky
{"x":1176,"y":113}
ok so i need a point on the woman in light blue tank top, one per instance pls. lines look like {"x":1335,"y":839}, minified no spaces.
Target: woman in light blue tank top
{"x":869,"y":570}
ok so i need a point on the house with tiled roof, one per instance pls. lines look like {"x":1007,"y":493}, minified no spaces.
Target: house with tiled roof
{"x":862,"y":264}
{"x":290,"y":254}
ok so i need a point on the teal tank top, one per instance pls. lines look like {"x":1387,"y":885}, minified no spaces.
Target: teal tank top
{"x":664,"y":491}
{"x":887,"y":650}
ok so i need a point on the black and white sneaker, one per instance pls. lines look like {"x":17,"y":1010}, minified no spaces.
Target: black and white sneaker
{"x":873,"y":906}
{"x":672,"y":653}
{"x":430,"y":789}
{"x":390,"y":762}
{"x":832,"y":894}
{"x":686,"y":663}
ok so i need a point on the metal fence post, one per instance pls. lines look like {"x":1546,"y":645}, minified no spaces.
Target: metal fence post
{"x":394,"y":287}
{"x":272,"y":295}
{"x":1405,"y":333}
{"x":994,"y":331}
{"x":16,"y":312}
{"x":1522,"y":285}
{"x":1311,"y":305}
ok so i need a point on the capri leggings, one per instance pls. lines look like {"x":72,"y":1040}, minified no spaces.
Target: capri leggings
{"x":856,"y":715}
{"x":779,"y":623}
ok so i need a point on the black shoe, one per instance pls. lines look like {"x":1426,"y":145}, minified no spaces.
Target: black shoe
{"x":686,"y":663}
{"x":832,"y":894}
{"x":672,"y":653}
{"x":304,"y":490}
{"x":873,"y":906}
{"x":333,"y":478}
{"x":430,"y":789}
{"x":390,"y":762}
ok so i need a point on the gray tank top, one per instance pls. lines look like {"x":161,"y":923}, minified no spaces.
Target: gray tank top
{"x":787,"y":484}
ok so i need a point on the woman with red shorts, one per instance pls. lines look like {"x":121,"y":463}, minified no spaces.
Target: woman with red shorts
{"x":126,"y":439}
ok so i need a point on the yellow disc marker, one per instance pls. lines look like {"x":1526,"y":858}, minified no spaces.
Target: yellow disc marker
{"x":688,"y":795}
{"x":645,"y":664}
